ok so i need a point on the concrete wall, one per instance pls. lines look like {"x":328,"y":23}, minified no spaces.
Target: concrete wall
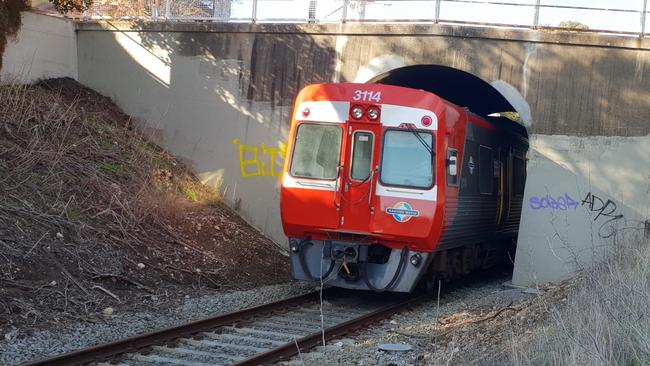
{"x":583,"y":194}
{"x":45,"y":47}
{"x":221,"y":94}
{"x":221,"y":100}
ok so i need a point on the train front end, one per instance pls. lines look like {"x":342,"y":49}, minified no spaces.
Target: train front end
{"x":360,"y":194}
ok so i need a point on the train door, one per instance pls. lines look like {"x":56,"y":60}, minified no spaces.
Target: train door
{"x":310,"y":185}
{"x":359,"y":176}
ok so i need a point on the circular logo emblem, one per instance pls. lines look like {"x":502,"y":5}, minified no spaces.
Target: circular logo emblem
{"x":402,"y":211}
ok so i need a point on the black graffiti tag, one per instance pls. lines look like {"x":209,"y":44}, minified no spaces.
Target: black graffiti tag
{"x":605,"y":210}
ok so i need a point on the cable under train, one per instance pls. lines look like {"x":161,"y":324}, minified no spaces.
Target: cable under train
{"x":384,"y":185}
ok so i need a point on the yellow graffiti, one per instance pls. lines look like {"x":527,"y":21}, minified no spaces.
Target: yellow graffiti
{"x":252,"y":165}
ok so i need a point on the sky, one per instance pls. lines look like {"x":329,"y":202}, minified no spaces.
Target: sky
{"x":330,"y":10}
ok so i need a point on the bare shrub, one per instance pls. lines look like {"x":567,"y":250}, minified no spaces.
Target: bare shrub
{"x":606,"y":318}
{"x":10,"y":21}
{"x":120,"y":8}
{"x":177,"y":8}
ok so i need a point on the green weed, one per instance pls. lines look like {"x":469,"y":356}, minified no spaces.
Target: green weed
{"x":191,"y":194}
{"x":113,"y":168}
{"x":73,"y":214}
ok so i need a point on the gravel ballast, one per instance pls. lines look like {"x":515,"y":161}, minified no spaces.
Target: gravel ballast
{"x":22,"y":348}
{"x":433,"y":343}
{"x":469,"y":326}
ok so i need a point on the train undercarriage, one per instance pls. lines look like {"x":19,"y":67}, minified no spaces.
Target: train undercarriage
{"x":379,"y":268}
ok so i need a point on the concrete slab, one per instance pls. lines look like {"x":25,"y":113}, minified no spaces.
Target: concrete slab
{"x":583,"y":195}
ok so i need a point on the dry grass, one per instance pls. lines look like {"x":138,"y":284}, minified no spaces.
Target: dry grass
{"x":606,"y":318}
{"x":83,"y":200}
{"x":92,"y":214}
{"x":83,"y":161}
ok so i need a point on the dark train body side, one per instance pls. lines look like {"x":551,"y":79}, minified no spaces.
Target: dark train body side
{"x":488,"y":197}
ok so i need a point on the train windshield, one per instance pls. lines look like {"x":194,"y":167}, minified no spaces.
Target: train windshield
{"x":317,"y":151}
{"x":407,"y":159}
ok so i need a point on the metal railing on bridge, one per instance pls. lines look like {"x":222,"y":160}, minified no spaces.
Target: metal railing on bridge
{"x":626,"y":17}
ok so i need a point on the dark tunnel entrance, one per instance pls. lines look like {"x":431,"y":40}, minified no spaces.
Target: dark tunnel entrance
{"x":461,"y":88}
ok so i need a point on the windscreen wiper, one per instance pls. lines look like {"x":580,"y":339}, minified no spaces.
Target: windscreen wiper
{"x":417,"y":135}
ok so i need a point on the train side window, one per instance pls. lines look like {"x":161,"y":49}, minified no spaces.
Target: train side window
{"x":519,"y":175}
{"x":486,"y":170}
{"x":452,"y":167}
{"x":362,"y":147}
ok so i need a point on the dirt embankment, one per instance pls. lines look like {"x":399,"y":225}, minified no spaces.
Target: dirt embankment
{"x":93,"y":215}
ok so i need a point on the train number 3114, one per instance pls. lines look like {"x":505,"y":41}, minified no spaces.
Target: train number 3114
{"x":366,"y":96}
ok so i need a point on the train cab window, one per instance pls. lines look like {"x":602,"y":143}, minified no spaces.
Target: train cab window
{"x":362,"y":147}
{"x":407,"y":159}
{"x":316,"y":151}
{"x":486,"y":170}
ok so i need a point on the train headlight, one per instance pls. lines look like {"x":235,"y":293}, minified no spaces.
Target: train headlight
{"x":294,"y":246}
{"x":373,"y":113}
{"x":357,"y":112}
{"x":427,"y":121}
{"x":416,"y":259}
{"x":306,"y":112}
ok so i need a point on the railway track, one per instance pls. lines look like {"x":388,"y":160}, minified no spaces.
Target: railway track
{"x":259,"y":335}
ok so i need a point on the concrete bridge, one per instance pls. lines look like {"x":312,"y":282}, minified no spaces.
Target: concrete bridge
{"x":221,"y":95}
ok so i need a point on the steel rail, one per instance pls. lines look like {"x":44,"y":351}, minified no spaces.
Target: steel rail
{"x":137,"y":343}
{"x":314,"y":339}
{"x":133,"y":344}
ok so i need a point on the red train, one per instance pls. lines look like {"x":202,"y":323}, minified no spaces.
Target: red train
{"x":385,"y":184}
